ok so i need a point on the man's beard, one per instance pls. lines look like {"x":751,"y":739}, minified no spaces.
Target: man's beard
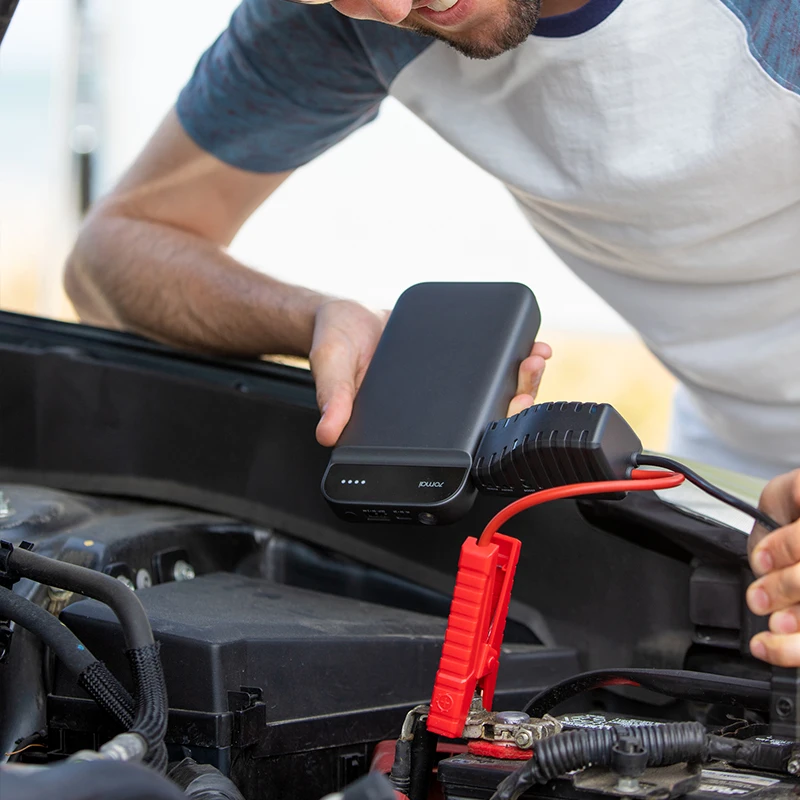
{"x":521,"y":19}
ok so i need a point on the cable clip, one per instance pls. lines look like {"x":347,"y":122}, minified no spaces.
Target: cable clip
{"x":474,"y":637}
{"x":8,"y":575}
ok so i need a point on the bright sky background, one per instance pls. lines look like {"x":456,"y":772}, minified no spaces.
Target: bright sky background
{"x":392,"y":206}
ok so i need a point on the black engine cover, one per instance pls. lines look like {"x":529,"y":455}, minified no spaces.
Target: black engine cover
{"x":260,"y":675}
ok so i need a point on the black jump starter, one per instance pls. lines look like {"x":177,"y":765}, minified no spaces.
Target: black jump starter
{"x":427,"y":430}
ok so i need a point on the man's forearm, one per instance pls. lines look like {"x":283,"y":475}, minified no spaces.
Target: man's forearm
{"x":180,"y":289}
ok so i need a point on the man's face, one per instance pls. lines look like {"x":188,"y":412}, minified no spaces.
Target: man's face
{"x":476,"y":28}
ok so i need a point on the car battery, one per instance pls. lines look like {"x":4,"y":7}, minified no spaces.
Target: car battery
{"x":467,"y":776}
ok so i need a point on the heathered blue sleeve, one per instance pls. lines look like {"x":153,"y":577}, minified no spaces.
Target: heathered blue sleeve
{"x":773,"y":35}
{"x":281,"y":85}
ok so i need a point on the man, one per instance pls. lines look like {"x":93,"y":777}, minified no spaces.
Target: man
{"x":652,"y":143}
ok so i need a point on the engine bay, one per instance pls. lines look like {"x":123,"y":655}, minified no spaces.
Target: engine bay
{"x":267,"y":677}
{"x":300,"y":655}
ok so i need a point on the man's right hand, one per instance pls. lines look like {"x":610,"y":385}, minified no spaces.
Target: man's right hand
{"x":345,"y":337}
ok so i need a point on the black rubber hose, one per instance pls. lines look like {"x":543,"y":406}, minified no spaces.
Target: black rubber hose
{"x":151,"y":702}
{"x":400,"y":776}
{"x":683,"y":684}
{"x":150,"y":720}
{"x":92,"y":675}
{"x":123,"y":602}
{"x":57,"y":636}
{"x":670,"y":743}
{"x":108,"y":693}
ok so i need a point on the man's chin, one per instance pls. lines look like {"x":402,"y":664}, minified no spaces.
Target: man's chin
{"x":480,"y":47}
{"x":483,"y":42}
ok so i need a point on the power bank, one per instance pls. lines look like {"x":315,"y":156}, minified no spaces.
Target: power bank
{"x":445,"y":367}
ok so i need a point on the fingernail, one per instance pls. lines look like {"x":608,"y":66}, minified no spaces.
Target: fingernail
{"x":758,"y":650}
{"x":763,"y":561}
{"x":759,"y":600}
{"x":784,"y":622}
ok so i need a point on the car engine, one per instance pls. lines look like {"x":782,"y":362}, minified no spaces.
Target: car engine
{"x":182,"y":615}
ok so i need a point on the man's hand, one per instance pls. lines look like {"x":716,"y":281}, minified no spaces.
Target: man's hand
{"x":529,"y":377}
{"x":775,"y":559}
{"x":345,"y":337}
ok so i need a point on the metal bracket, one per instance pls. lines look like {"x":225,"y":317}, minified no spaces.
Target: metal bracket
{"x":657,"y":783}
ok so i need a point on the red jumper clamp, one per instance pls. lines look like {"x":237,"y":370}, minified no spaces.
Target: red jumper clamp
{"x":475,"y":628}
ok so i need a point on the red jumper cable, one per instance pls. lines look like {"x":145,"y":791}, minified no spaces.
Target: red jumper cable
{"x":475,"y":627}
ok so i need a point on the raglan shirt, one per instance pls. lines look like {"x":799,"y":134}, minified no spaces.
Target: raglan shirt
{"x":654,"y":144}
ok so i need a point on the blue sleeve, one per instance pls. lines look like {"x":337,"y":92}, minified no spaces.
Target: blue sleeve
{"x":281,"y":85}
{"x":773,"y":36}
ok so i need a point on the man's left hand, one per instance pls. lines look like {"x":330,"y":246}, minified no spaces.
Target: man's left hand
{"x":529,"y":377}
{"x":775,"y":559}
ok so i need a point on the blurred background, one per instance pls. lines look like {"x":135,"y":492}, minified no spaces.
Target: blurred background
{"x":83,"y":83}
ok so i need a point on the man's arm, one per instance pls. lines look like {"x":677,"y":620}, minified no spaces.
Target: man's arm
{"x":151,"y":257}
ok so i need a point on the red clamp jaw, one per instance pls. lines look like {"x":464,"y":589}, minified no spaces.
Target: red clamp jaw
{"x":471,"y":652}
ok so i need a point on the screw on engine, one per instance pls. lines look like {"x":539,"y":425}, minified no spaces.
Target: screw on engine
{"x":183,"y":571}
{"x":628,"y":785}
{"x":144,"y":580}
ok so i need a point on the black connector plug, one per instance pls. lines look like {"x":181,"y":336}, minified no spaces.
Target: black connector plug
{"x":554,"y":444}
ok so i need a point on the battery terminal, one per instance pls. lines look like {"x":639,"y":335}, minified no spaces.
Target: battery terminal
{"x":511,"y":728}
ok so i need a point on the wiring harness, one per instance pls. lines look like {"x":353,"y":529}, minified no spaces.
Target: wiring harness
{"x":657,"y":745}
{"x":630,"y":749}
